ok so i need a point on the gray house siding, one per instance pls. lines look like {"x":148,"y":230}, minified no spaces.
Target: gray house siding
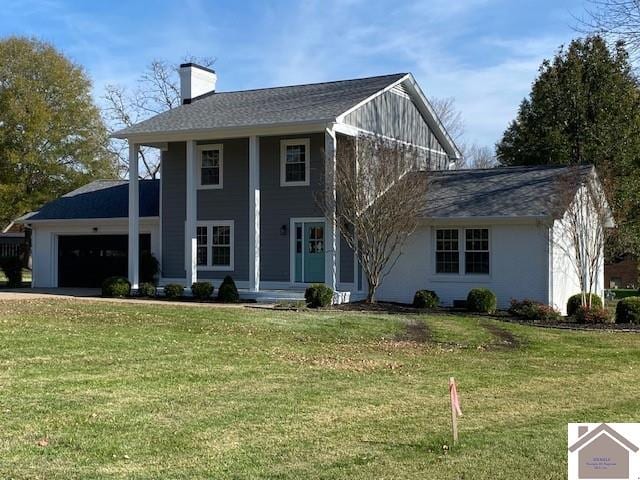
{"x":174,"y":187}
{"x":395,"y":115}
{"x":346,"y":262}
{"x":229,"y":203}
{"x":279,"y":204}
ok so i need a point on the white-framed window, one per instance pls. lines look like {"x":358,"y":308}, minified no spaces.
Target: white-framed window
{"x":468,"y":248}
{"x":210,"y":166}
{"x":447,"y":250}
{"x":294,"y":162}
{"x":476,"y":251}
{"x":215,"y":245}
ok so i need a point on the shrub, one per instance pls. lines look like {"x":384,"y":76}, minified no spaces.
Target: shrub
{"x":425,"y":299}
{"x":12,"y":268}
{"x":147,"y":289}
{"x":227,"y":292}
{"x":202,"y":290}
{"x":628,"y":310}
{"x":532,"y":310}
{"x":318,"y":295}
{"x":149,"y":268}
{"x":173,"y":290}
{"x":116,"y":287}
{"x":482,"y":300}
{"x":575,"y":302}
{"x":592,"y":315}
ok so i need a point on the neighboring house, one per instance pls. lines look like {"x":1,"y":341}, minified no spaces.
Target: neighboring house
{"x":240,"y":176}
{"x":602,"y":453}
{"x":12,"y":239}
{"x":622,"y":272}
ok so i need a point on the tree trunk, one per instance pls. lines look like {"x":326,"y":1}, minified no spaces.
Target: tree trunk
{"x":371,"y":292}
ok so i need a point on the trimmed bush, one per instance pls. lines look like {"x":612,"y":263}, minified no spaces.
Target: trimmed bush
{"x":12,"y":268}
{"x":147,"y":289}
{"x":318,"y":295}
{"x":202,"y":290}
{"x":149,"y":268}
{"x":628,"y":310}
{"x":173,"y":290}
{"x":482,"y":300}
{"x":116,"y":287}
{"x":593,"y":315}
{"x":575,"y":302}
{"x":532,"y":310}
{"x":425,"y":299}
{"x":227,"y":292}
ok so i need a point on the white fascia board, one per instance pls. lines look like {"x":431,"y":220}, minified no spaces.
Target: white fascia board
{"x":312,"y":126}
{"x":341,"y":117}
{"x":486,"y":220}
{"x":432,"y":119}
{"x":84,"y":221}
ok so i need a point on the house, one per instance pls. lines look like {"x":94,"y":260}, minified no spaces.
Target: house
{"x":602,"y":453}
{"x":12,"y":240}
{"x":237,"y":195}
{"x":621,"y":272}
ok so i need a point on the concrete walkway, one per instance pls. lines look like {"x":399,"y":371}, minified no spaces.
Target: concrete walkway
{"x":93,"y":295}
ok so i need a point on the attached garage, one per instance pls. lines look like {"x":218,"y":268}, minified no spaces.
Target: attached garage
{"x":81,"y":238}
{"x":86,"y":260}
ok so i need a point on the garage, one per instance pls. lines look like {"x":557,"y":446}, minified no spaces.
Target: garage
{"x":86,"y":260}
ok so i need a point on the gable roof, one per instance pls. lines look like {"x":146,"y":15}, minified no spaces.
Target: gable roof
{"x":510,"y":192}
{"x":596,"y":432}
{"x":99,"y":199}
{"x":317,"y":102}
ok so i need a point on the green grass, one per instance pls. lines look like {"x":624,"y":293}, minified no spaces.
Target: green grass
{"x":26,"y":277}
{"x":131,"y":391}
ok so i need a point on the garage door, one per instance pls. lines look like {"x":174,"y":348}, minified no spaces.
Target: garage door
{"x":86,"y":260}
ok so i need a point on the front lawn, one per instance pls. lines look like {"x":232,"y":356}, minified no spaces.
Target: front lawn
{"x":96,"y":390}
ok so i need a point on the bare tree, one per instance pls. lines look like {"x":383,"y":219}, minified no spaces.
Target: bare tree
{"x":378,"y":201}
{"x":582,"y":227}
{"x":453,"y":122}
{"x":480,"y":157}
{"x":615,"y":20}
{"x":158,"y":90}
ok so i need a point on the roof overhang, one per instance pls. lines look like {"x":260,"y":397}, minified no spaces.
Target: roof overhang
{"x":467,"y":220}
{"x":83,"y":221}
{"x":159,"y":139}
{"x":425,"y":108}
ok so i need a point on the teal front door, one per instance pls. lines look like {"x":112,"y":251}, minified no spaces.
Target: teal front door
{"x":310,"y":246}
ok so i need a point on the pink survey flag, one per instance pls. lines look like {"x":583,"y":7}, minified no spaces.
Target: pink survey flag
{"x":453,"y":393}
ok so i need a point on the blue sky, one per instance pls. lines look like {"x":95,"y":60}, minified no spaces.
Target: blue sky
{"x":484,"y":53}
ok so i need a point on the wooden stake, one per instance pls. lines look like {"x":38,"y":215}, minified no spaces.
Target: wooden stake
{"x":454,"y":412}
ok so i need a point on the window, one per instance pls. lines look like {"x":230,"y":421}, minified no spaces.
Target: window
{"x":294,"y":162}
{"x":210,"y":171}
{"x":221,"y":246}
{"x":476,"y":256}
{"x":202,"y":247}
{"x":215,"y":245}
{"x":447,"y":251}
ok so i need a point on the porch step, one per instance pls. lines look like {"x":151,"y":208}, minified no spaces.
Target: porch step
{"x":273,"y":296}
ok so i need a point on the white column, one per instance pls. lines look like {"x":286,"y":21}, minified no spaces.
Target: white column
{"x":254,"y":214}
{"x":330,"y":271}
{"x":134,"y":218}
{"x":191,"y":218}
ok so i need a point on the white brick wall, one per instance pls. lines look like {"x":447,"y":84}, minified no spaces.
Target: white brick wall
{"x":519,"y":256}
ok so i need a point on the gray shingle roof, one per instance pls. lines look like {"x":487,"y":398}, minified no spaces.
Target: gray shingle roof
{"x":100,"y":199}
{"x":316,"y":102}
{"x":497,"y":192}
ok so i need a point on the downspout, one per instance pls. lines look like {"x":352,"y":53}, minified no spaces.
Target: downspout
{"x":550,"y":280}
